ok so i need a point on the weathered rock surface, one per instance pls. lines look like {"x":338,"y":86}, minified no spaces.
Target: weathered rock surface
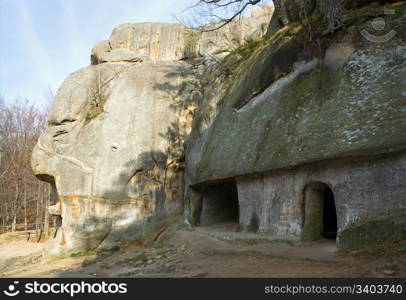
{"x":109,"y":150}
{"x":114,"y":145}
{"x":288,"y":107}
{"x":276,"y":123}
{"x":154,"y":41}
{"x":235,"y":34}
{"x":308,"y":115}
{"x":137,"y":42}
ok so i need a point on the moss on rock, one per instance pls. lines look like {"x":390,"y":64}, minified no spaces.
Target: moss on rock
{"x":285,"y":107}
{"x":392,"y":227}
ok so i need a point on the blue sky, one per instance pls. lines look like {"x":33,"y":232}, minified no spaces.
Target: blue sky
{"x":42,"y":41}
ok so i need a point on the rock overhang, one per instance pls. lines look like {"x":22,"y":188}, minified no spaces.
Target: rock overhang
{"x":318,"y":110}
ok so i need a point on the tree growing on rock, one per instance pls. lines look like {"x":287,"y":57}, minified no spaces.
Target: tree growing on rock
{"x":286,"y":11}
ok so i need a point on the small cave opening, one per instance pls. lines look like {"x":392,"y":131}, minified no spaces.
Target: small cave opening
{"x":320,"y":216}
{"x":54,"y":199}
{"x":329,"y":215}
{"x":219,"y":204}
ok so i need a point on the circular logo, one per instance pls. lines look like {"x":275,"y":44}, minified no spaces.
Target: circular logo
{"x":378,"y":24}
{"x":11,"y":292}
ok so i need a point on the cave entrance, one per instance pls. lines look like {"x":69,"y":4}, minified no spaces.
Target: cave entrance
{"x":320,"y":216}
{"x":53,"y":202}
{"x":219,"y":203}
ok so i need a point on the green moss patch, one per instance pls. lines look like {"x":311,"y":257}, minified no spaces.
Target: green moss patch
{"x":373,"y":233}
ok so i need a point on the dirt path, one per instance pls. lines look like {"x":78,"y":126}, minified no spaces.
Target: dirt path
{"x":216,"y":251}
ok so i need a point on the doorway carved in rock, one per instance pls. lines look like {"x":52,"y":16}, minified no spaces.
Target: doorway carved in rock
{"x":319,"y":212}
{"x":219,"y":203}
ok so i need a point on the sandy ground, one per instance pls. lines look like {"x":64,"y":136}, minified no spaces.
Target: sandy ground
{"x":214,"y":251}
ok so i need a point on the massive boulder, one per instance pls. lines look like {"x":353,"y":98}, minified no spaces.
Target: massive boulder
{"x":114,"y":146}
{"x":108,"y":151}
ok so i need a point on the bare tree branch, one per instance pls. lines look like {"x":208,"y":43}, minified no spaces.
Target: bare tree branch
{"x":221,"y":11}
{"x":235,"y":15}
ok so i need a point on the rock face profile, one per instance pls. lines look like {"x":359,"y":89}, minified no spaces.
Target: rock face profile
{"x":299,"y":134}
{"x":106,"y":149}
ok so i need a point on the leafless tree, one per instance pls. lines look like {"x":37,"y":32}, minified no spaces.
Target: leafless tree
{"x":23,"y":198}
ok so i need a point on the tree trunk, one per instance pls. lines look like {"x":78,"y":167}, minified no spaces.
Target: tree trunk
{"x":14,"y":224}
{"x":46,"y":214}
{"x":15,"y":208}
{"x":6,"y":223}
{"x":25,"y":207}
{"x":37,"y":210}
{"x":292,"y":11}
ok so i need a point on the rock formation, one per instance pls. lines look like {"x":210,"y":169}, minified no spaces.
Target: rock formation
{"x":143,"y":42}
{"x":113,"y":149}
{"x":306,"y":116}
{"x":298,"y":134}
{"x":108,"y":151}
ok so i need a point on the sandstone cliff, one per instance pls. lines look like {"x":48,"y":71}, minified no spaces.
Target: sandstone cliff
{"x":304,"y":108}
{"x":114,"y":146}
{"x":170,"y":121}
